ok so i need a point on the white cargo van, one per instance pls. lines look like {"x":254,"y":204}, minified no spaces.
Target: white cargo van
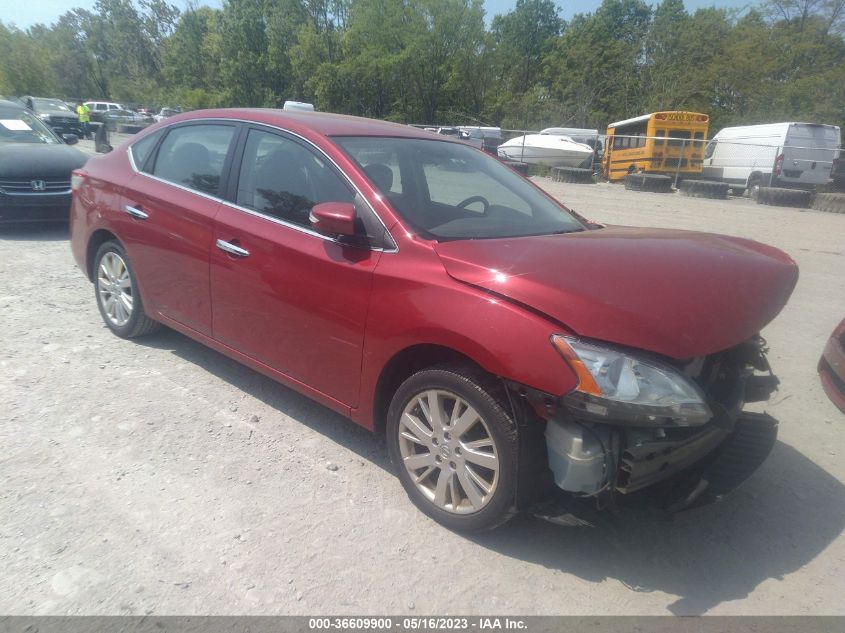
{"x":795,"y":155}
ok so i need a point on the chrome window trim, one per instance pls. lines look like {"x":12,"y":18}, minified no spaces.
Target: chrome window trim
{"x":182,"y":187}
{"x":276,"y":220}
{"x":132,"y":159}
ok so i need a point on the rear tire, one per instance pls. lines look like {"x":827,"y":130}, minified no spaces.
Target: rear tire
{"x":648,"y":182}
{"x":775,"y":196}
{"x":117,"y":295}
{"x":455,"y":444}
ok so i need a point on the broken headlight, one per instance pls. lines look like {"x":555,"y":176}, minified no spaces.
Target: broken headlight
{"x":621,"y":387}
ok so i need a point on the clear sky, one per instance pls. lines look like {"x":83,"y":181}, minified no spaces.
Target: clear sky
{"x":25,"y":14}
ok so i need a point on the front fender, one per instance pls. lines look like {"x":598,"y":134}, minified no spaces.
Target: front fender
{"x":503,"y":338}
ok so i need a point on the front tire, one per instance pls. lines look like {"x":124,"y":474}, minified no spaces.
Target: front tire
{"x":455,"y":444}
{"x":116,"y":291}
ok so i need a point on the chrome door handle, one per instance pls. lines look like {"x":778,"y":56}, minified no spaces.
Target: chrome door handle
{"x":232,"y":249}
{"x":135,"y":213}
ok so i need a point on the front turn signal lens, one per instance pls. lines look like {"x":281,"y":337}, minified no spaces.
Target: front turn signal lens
{"x":586,"y":382}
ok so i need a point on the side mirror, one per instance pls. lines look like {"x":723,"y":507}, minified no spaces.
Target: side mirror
{"x":334,"y":218}
{"x":70,"y":139}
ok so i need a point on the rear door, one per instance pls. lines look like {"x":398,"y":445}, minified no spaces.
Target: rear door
{"x":167,"y":220}
{"x":286,"y":296}
{"x":808,"y":153}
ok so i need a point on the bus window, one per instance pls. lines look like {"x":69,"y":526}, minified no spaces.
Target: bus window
{"x":675,"y":137}
{"x":699,"y":136}
{"x":659,"y":141}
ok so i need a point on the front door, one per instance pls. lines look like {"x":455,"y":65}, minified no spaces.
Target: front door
{"x":284,"y":295}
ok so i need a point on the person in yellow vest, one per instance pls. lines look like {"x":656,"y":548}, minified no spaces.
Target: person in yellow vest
{"x":84,"y":113}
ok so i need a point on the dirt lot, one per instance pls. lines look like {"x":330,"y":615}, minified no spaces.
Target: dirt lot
{"x":160,"y":477}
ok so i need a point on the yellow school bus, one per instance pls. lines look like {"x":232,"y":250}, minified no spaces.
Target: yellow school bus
{"x":657,"y":143}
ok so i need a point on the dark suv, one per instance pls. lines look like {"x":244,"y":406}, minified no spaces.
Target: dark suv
{"x":55,"y":113}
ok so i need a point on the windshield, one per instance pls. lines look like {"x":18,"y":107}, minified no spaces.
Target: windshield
{"x":452,"y":191}
{"x":49,"y":104}
{"x":20,"y":126}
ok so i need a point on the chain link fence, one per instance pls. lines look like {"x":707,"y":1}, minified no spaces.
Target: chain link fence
{"x":742,"y":165}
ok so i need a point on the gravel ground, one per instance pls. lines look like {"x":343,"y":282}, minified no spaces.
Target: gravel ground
{"x":160,"y":477}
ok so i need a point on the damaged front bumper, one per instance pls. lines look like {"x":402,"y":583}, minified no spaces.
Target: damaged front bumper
{"x":678,"y":467}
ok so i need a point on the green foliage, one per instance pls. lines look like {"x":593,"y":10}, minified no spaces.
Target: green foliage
{"x":434,"y":62}
{"x":24,"y":69}
{"x":524,"y":37}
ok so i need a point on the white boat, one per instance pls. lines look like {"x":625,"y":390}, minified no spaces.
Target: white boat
{"x":546,"y":149}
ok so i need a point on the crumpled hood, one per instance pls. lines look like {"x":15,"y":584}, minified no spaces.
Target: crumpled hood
{"x":677,"y":293}
{"x":39,"y":160}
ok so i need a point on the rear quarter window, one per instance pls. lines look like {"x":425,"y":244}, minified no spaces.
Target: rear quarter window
{"x":193,"y":155}
{"x":142,"y":149}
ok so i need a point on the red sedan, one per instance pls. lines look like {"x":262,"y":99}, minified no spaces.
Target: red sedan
{"x":429,"y":293}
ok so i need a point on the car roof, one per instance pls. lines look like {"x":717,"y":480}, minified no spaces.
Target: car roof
{"x":319,"y":123}
{"x":6,"y":104}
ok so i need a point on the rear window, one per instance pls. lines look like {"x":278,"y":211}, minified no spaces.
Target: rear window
{"x":676,"y":137}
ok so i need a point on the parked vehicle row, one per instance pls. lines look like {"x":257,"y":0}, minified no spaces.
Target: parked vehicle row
{"x":100,"y":108}
{"x":789,"y":154}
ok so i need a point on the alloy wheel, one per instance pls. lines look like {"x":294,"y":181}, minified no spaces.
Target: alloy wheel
{"x":114,"y":289}
{"x":448,"y":451}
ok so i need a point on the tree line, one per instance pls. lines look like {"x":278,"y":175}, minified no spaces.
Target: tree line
{"x":437,"y":61}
